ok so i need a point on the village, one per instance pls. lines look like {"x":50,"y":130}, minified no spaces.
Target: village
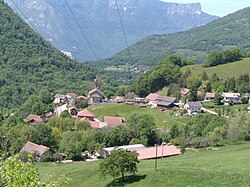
{"x":68,"y":103}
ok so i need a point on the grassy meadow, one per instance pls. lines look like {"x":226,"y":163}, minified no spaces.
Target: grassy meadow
{"x":223,"y":71}
{"x":126,"y":110}
{"x":227,"y":166}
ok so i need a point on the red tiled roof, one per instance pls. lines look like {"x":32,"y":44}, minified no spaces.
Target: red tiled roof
{"x":85,"y":113}
{"x":34,"y":117}
{"x":31,"y":147}
{"x":94,"y":124}
{"x":152,"y":96}
{"x":150,"y":152}
{"x":113,"y":121}
{"x":184,"y":91}
{"x":210,"y":95}
{"x":117,"y":98}
{"x":82,"y":97}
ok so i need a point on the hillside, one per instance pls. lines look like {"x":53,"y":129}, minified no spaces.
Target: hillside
{"x":230,"y":31}
{"x":126,"y":110}
{"x":222,"y":166}
{"x":29,"y":64}
{"x":223,"y":71}
{"x":101,"y":24}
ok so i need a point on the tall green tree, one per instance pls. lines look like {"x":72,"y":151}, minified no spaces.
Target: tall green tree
{"x":42,"y":134}
{"x":142,"y":127}
{"x":119,"y":163}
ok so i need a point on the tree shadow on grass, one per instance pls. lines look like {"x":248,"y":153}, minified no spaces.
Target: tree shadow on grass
{"x":128,"y":180}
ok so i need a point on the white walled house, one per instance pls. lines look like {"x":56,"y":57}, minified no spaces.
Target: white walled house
{"x":193,"y":107}
{"x":231,"y":97}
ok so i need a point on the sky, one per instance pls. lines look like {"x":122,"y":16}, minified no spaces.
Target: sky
{"x":217,"y":7}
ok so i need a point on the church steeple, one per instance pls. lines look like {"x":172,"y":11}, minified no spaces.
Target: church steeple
{"x":97,"y":82}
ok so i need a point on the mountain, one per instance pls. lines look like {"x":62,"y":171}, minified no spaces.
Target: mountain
{"x":225,"y":33}
{"x":31,"y":66}
{"x":100,"y":22}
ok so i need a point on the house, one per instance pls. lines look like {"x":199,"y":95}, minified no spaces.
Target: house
{"x":193,"y":107}
{"x":184,"y":91}
{"x":33,"y":119}
{"x":86,"y":114}
{"x":209,"y":96}
{"x":59,"y":98}
{"x":60,"y":109}
{"x":107,"y":151}
{"x":113,"y":121}
{"x":95,"y":96}
{"x":118,"y":99}
{"x":164,"y":102}
{"x":231,"y":97}
{"x":71,"y":98}
{"x":151,"y":98}
{"x":157,"y":152}
{"x":33,"y":148}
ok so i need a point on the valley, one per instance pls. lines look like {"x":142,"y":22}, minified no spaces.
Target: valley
{"x":172,"y":109}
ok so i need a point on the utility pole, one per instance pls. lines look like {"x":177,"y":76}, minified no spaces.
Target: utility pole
{"x":156,"y":157}
{"x":163,"y":140}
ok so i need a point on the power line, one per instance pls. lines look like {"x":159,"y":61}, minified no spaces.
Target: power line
{"x":81,"y":29}
{"x":24,"y":16}
{"x":123,"y":30}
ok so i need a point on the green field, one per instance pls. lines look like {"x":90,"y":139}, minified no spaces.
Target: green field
{"x":126,"y":110}
{"x":227,"y":166}
{"x":223,"y":71}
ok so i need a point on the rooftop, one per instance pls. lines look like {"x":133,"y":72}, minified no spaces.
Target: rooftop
{"x":152,"y":96}
{"x":86,"y":113}
{"x":166,"y":99}
{"x":194,"y":104}
{"x":34,"y":118}
{"x":113,"y":121}
{"x":162,"y":151}
{"x":228,"y":94}
{"x":31,"y":147}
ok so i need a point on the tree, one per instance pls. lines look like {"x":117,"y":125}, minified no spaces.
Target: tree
{"x":121,"y":161}
{"x":193,"y":95}
{"x":214,"y":77}
{"x":204,"y":76}
{"x":42,"y":134}
{"x":15,"y":172}
{"x":218,"y":98}
{"x":72,"y":144}
{"x":65,"y":114}
{"x":208,"y":87}
{"x":141,"y":127}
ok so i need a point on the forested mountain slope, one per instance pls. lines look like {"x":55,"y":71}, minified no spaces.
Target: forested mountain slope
{"x":228,"y":32}
{"x":29,"y":64}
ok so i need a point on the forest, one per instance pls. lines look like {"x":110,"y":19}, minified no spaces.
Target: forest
{"x":31,"y":67}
